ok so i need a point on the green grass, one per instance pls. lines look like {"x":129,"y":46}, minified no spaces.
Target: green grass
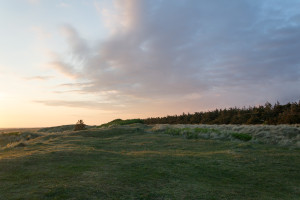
{"x":206,"y":130}
{"x":193,"y":133}
{"x":242,"y":136}
{"x":130,"y":163}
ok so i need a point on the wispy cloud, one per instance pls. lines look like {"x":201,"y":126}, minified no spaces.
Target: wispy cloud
{"x":64,"y":68}
{"x":81,"y":104}
{"x":78,"y":46}
{"x":38,"y":78}
{"x":72,"y":85}
{"x":193,"y":50}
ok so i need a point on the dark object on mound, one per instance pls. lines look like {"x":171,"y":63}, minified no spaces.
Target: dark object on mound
{"x":21,"y":145}
{"x":79,"y":126}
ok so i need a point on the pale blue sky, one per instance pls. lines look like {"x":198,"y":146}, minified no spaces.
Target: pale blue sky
{"x":97,"y":60}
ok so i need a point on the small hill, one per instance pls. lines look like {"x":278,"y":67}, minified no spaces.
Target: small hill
{"x":118,"y":122}
{"x":57,"y":129}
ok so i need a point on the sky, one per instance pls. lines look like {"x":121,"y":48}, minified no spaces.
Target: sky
{"x":98,"y":60}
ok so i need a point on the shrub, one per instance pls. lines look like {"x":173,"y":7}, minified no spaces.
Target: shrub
{"x":241,"y":136}
{"x":79,"y":126}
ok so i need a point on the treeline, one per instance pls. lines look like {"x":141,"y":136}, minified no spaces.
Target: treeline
{"x":267,"y":114}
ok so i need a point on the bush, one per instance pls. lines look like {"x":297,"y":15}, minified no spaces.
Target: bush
{"x":79,"y":126}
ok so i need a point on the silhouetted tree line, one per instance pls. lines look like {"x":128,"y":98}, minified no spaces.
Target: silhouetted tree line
{"x":267,"y":114}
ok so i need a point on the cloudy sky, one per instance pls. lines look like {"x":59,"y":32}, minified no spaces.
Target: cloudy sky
{"x":97,"y":60}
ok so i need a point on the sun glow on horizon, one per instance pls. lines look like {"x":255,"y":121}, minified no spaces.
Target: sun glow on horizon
{"x":139,"y":58}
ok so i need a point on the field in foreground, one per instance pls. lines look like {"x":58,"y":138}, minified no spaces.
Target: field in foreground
{"x":135,"y":162}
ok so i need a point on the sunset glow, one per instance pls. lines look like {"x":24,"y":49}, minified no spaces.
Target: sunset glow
{"x":99,"y":60}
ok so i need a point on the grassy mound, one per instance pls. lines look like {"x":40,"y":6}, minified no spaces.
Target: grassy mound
{"x":117,"y":122}
{"x":128,"y":162}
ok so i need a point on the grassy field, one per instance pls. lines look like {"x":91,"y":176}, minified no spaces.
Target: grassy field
{"x":135,"y":162}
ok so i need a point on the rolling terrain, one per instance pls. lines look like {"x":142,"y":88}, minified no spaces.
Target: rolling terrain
{"x":136,"y":161}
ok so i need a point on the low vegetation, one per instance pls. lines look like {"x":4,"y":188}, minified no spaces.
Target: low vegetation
{"x":12,"y":133}
{"x":136,"y":161}
{"x":12,"y":139}
{"x":58,"y":129}
{"x":283,"y":135}
{"x":195,"y":133}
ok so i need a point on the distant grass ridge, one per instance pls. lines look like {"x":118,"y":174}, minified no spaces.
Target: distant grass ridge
{"x":121,"y":122}
{"x":57,"y":128}
{"x":206,"y":133}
